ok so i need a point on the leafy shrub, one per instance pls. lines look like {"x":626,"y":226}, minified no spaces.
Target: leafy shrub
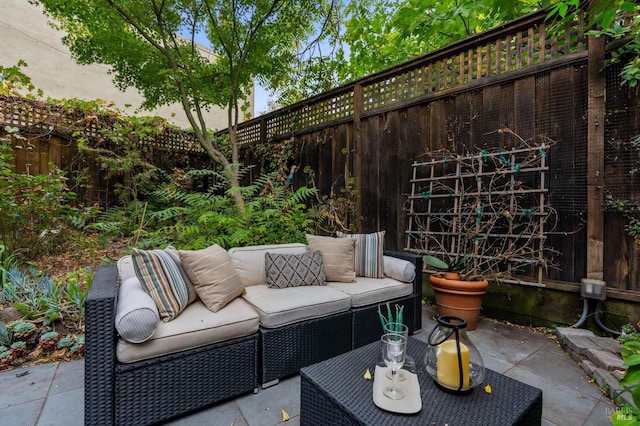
{"x":628,"y":334}
{"x":175,"y":214}
{"x":35,"y":208}
{"x":630,"y":414}
{"x":272,"y":214}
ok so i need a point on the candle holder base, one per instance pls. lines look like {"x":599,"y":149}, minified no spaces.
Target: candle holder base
{"x":453,"y":391}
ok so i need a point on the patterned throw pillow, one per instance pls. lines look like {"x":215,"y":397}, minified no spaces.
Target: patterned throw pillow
{"x":368,"y":254}
{"x":164,"y":280}
{"x":293,"y":270}
{"x":337,"y":256}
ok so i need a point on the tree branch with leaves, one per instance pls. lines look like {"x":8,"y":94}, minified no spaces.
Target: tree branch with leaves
{"x":142,"y":43}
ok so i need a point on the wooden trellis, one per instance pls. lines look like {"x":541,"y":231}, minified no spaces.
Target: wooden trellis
{"x":490,"y":207}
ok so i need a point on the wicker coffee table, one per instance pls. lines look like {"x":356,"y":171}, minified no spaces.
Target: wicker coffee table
{"x":334,"y":392}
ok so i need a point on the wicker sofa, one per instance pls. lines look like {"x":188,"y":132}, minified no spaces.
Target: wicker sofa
{"x":161,"y":387}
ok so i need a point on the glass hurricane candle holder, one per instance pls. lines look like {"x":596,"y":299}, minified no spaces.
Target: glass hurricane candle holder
{"x":452,"y":360}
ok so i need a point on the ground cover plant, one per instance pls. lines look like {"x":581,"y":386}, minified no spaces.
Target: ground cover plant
{"x":53,"y":246}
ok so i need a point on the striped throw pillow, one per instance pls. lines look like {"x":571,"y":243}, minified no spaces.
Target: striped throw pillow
{"x":368,"y":254}
{"x":164,"y":280}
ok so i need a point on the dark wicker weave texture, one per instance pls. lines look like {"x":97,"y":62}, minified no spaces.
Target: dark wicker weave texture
{"x":366,"y":321}
{"x":100,"y":347}
{"x":150,"y":391}
{"x":165,"y":387}
{"x":335,"y":392}
{"x":185,"y":381}
{"x":284,"y":350}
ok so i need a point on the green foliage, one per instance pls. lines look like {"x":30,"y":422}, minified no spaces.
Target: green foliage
{"x":124,"y":151}
{"x":7,"y":261}
{"x":35,"y":208}
{"x":618,"y":19}
{"x":19,"y":345}
{"x":14,"y":82}
{"x":630,"y":414}
{"x":21,"y":327}
{"x":39,"y":296}
{"x":191,"y":220}
{"x":49,"y":335}
{"x":629,"y":208}
{"x":629,"y":334}
{"x":117,"y":220}
{"x":66,"y":342}
{"x":457,"y":263}
{"x":389,"y":317}
{"x":5,"y":335}
{"x":78,"y":345}
{"x":383,"y":33}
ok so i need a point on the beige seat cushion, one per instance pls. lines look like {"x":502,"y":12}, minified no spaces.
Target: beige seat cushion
{"x":367,"y":291}
{"x":195,"y":326}
{"x":281,"y":306}
{"x":213,"y":275}
{"x":337,"y":256}
{"x":250,"y":264}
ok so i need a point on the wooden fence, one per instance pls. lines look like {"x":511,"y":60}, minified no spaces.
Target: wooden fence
{"x":51,"y":132}
{"x":520,"y":77}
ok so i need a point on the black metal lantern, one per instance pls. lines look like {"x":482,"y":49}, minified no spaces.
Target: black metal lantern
{"x":452,"y":360}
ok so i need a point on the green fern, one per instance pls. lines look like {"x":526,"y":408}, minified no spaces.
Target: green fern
{"x":272,"y":213}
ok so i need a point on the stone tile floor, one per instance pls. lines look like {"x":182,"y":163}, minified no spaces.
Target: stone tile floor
{"x":52,"y":394}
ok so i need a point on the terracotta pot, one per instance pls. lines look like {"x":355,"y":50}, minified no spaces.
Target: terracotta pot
{"x":459,"y":298}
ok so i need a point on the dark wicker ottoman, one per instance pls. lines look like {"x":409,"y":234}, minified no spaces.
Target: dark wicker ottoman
{"x":334,"y":392}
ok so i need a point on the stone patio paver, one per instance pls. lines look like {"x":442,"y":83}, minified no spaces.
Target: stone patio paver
{"x":52,"y":394}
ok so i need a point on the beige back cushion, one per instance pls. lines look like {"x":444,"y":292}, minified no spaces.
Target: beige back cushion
{"x":212,"y":273}
{"x":250,"y":263}
{"x":337,"y":256}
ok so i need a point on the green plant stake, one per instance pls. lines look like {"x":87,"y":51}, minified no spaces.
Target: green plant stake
{"x":389,"y":319}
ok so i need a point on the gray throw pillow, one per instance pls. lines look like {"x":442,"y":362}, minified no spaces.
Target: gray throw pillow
{"x":293,"y":270}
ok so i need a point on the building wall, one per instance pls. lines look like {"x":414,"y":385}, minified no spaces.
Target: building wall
{"x":25,"y":34}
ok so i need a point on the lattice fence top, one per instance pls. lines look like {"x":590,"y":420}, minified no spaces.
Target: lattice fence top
{"x":43,"y":118}
{"x":519,"y":44}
